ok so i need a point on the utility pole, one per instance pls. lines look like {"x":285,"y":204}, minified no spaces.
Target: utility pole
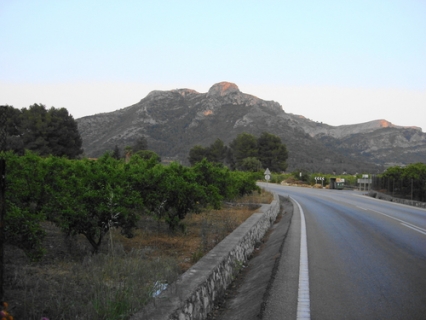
{"x":2,"y":196}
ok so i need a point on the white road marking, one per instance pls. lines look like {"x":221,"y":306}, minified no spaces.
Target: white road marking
{"x":415,"y":228}
{"x":404,"y":223}
{"x":303,"y":299}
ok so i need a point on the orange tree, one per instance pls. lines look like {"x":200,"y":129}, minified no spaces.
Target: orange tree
{"x":168,"y":192}
{"x":90,"y":197}
{"x":25,"y":198}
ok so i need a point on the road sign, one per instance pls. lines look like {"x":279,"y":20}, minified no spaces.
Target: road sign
{"x":321,"y":179}
{"x":267,"y":174}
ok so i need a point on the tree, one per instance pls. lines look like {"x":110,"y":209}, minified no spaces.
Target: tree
{"x":196,"y":154}
{"x":411,"y":180}
{"x":34,"y":129}
{"x":148,"y":154}
{"x":46,"y":132}
{"x":272,"y":152}
{"x":182,"y":194}
{"x":242,"y":183}
{"x":214,"y":178}
{"x":90,"y":197}
{"x":394,"y":173}
{"x":217,"y":152}
{"x":62,"y":134}
{"x":221,"y":183}
{"x":13,"y":129}
{"x":116,"y":154}
{"x":243,"y":146}
{"x":168,"y":192}
{"x":140,"y":144}
{"x":245,"y":152}
{"x":251,"y":164}
{"x":25,"y":198}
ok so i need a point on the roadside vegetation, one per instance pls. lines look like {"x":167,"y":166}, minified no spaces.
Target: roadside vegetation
{"x":90,"y":197}
{"x":95,"y":239}
{"x":245,"y":153}
{"x":305,"y":178}
{"x":408,"y":182}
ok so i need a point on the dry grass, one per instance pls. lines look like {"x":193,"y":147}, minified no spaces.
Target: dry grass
{"x":201,"y":231}
{"x":69,"y":284}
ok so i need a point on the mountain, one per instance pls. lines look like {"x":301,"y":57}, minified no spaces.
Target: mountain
{"x":174,"y":121}
{"x":378,"y":141}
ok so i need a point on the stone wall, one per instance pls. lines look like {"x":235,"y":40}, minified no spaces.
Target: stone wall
{"x":382,"y":196}
{"x":193,"y":295}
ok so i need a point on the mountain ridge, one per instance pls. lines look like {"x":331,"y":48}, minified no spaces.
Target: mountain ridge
{"x":174,"y":121}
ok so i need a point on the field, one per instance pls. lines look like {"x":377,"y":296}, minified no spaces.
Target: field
{"x":70,"y":283}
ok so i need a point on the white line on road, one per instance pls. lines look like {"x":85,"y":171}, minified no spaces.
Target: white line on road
{"x":404,"y":223}
{"x":303,"y":300}
{"x":414,"y":228}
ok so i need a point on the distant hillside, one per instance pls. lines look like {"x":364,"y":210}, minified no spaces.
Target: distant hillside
{"x":174,"y":121}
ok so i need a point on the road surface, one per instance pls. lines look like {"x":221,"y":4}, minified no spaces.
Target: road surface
{"x":364,"y":258}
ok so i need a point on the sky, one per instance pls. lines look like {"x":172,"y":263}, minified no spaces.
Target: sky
{"x":336,"y":62}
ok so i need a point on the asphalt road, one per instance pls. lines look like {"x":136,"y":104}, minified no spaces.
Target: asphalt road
{"x":366,"y":259}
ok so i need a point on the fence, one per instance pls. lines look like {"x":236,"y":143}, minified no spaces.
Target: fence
{"x":412,"y":189}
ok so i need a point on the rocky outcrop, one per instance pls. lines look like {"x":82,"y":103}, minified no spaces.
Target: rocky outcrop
{"x":347,"y":130}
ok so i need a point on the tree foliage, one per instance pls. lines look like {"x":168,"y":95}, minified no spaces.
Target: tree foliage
{"x":272,"y":152}
{"x":250,"y":164}
{"x":46,"y":132}
{"x":197,"y":154}
{"x":25,"y":197}
{"x":411,"y":171}
{"x":243,"y":146}
{"x":217,"y":152}
{"x":140,"y":144}
{"x":116,"y":154}
{"x":148,"y":154}
{"x":405,"y":182}
{"x":245,"y":152}
{"x":90,"y":197}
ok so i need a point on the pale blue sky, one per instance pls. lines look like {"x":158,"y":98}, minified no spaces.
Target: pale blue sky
{"x":338,"y":62}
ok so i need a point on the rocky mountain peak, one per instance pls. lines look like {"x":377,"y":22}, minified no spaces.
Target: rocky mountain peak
{"x":185,"y":92}
{"x":174,"y":121}
{"x":223,"y":88}
{"x":384,"y":123}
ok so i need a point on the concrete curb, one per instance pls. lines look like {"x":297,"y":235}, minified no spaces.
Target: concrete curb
{"x":193,"y":295}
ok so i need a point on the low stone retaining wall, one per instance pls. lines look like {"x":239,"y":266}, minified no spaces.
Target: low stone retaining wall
{"x":379,"y":195}
{"x":193,"y":295}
